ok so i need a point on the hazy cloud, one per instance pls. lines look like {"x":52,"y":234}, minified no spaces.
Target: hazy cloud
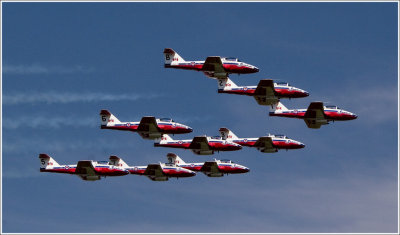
{"x":42,"y":69}
{"x":64,"y":98}
{"x":48,"y":122}
{"x":377,"y":104}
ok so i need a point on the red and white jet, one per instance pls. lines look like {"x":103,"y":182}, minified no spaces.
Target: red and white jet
{"x":148,"y":127}
{"x":266,"y":144}
{"x":216,"y":168}
{"x":316,"y":115}
{"x":213,"y":66}
{"x":267,"y":92}
{"x":155,"y":172}
{"x":86,"y":169}
{"x":201,"y":145}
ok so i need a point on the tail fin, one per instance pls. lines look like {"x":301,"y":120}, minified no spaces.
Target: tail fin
{"x":175,"y":159}
{"x":164,"y":139}
{"x":116,"y":161}
{"x":225,"y":83}
{"x":278,"y":107}
{"x":107,"y":118}
{"x":227,"y":134}
{"x":47,"y":162}
{"x":171,"y":57}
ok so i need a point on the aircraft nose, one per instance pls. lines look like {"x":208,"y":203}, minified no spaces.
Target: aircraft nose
{"x":189,"y":128}
{"x":306,"y":93}
{"x":355,"y":116}
{"x":256,"y":69}
{"x":301,"y":145}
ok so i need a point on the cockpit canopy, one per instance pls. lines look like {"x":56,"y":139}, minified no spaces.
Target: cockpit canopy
{"x":231,"y":59}
{"x":283,"y":84}
{"x":332,"y":107}
{"x":281,"y":136}
{"x":169,"y":164}
{"x":102,"y":162}
{"x":226,"y":161}
{"x":166,"y":120}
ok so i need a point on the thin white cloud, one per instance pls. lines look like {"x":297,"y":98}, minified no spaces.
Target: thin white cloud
{"x":42,"y":69}
{"x":18,"y":173}
{"x":64,"y":98}
{"x":48,"y":122}
{"x":376,"y":104}
{"x":373,"y":104}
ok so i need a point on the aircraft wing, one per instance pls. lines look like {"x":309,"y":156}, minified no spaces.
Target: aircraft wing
{"x":214,"y":64}
{"x":315,"y":111}
{"x":85,"y":168}
{"x":264,"y":142}
{"x":210,"y":167}
{"x":265,"y":87}
{"x":200,"y":142}
{"x":154,"y":170}
{"x":265,"y":92}
{"x":148,"y":124}
{"x":312,"y":123}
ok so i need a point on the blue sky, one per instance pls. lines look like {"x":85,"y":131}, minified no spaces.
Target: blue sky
{"x":63,"y":62}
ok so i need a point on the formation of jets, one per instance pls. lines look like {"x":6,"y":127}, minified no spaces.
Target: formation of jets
{"x":267,"y":92}
{"x":201,"y":145}
{"x":175,"y":168}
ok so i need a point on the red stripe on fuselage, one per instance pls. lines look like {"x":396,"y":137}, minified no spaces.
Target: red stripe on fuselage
{"x":286,"y":93}
{"x":171,"y":129}
{"x":338,"y":116}
{"x":60,"y":170}
{"x":173,"y":145}
{"x":229,"y":68}
{"x":177,"y":173}
{"x":233,"y":68}
{"x":121,"y":128}
{"x":109,"y":172}
{"x":223,"y":147}
{"x":239,"y":92}
{"x":231,"y":170}
{"x":289,"y":115}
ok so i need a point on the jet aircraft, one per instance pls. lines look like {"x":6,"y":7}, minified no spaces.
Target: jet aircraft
{"x":315,"y":115}
{"x":155,"y":172}
{"x":213,"y":66}
{"x":216,"y":168}
{"x":267,"y":92}
{"x":148,"y":127}
{"x":86,"y":169}
{"x":265,"y":144}
{"x":201,"y":145}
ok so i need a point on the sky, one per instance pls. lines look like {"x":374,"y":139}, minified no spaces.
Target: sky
{"x":64,"y":62}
